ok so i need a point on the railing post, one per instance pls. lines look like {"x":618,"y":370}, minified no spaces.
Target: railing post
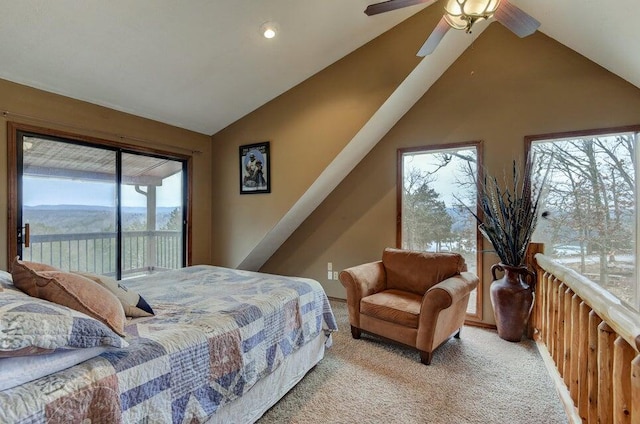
{"x":606,"y":339}
{"x":542,"y":294}
{"x":568,"y":328}
{"x":635,"y":390}
{"x":623,"y":354}
{"x":550,"y":315}
{"x":583,"y":360}
{"x":575,"y":347}
{"x":592,"y":366}
{"x":554,"y":319}
{"x":560,"y":334}
{"x":534,"y":321}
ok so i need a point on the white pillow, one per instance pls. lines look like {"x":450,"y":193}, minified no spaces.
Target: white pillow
{"x":22,"y":369}
{"x":5,"y":279}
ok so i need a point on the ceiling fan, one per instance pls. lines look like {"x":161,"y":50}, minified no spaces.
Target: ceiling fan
{"x":462,"y":14}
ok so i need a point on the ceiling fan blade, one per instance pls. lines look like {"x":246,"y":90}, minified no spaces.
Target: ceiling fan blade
{"x":434,"y":39}
{"x":389,"y":5}
{"x":515,"y":19}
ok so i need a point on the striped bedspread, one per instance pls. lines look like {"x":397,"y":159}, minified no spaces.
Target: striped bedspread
{"x":216,"y":332}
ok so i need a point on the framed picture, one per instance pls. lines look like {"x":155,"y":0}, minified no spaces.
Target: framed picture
{"x":255,"y":168}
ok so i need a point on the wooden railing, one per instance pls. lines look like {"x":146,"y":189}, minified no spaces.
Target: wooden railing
{"x":594,"y":341}
{"x":96,"y":252}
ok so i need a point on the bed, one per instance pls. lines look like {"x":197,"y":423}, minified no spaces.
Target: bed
{"x":223,"y":346}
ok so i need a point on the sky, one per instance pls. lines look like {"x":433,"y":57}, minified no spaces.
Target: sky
{"x":51,"y":191}
{"x":445,"y":178}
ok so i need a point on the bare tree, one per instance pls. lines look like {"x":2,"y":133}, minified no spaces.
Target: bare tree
{"x":591,"y":194}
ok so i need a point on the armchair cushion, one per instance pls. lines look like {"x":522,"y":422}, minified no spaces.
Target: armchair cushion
{"x":395,"y":306}
{"x":417,"y":272}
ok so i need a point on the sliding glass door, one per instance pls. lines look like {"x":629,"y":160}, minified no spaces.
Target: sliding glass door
{"x":98,"y":208}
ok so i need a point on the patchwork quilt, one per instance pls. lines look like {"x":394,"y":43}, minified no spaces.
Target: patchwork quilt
{"x":216,"y":332}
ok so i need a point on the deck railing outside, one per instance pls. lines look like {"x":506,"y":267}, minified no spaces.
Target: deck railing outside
{"x":143,"y":251}
{"x":593,"y":339}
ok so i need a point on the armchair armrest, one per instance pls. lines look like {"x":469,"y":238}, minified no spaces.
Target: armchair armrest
{"x":449,"y":291}
{"x":443,"y":309}
{"x":361,"y":281}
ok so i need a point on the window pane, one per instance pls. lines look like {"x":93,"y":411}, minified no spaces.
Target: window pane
{"x":590,"y":208}
{"x":69,"y":202}
{"x":152,"y":214}
{"x":438,"y":186}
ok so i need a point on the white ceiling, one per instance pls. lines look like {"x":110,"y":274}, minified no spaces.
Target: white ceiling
{"x":202,"y":64}
{"x":196,"y":64}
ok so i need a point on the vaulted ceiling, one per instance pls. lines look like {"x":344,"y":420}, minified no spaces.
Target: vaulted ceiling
{"x":203,"y":64}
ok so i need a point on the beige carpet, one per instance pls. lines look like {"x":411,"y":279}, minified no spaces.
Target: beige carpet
{"x":479,"y":378}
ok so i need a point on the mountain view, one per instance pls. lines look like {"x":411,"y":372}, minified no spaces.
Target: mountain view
{"x":65,"y":219}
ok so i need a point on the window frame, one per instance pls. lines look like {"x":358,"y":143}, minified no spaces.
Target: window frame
{"x":14,"y":129}
{"x":478,"y":145}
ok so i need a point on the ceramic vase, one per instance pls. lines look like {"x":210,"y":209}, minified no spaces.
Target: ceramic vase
{"x":512,"y":300}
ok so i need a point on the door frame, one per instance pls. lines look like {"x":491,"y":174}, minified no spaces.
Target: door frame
{"x":13,"y":194}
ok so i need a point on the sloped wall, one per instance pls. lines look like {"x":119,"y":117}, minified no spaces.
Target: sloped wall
{"x":498,"y":91}
{"x":39,"y":108}
{"x":307,"y":127}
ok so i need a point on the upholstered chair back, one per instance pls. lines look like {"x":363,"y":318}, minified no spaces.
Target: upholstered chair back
{"x":417,"y":272}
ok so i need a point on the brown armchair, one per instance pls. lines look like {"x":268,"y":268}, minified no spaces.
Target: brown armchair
{"x":415,"y":298}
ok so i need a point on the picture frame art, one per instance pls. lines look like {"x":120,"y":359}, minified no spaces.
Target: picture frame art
{"x":255,"y":168}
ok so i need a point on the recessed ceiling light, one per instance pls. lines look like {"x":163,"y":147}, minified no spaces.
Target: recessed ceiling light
{"x":268,"y":30}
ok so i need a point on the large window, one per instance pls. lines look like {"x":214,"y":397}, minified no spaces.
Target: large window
{"x":85,"y":206}
{"x":589,"y":207}
{"x":436,"y":188}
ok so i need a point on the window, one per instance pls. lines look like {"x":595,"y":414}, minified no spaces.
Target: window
{"x":589,"y":212}
{"x":436,"y":186}
{"x":96,"y":207}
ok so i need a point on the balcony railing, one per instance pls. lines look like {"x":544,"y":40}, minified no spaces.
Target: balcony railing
{"x":594,"y":341}
{"x":142,"y":251}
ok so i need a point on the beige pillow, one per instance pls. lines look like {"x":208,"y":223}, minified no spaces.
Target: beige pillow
{"x":133,"y":304}
{"x":71,"y":290}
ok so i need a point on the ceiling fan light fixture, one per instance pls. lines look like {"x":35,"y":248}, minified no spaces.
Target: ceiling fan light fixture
{"x":462,"y":14}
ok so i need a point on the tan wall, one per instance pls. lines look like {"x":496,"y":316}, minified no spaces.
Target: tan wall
{"x":48,"y":110}
{"x":307,"y":127}
{"x":500,"y":90}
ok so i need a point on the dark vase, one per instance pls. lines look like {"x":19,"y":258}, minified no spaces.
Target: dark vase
{"x":512,"y":300}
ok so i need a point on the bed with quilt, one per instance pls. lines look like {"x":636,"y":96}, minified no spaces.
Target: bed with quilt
{"x":194,"y":345}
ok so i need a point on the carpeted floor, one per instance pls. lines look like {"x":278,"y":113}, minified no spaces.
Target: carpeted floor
{"x":479,"y":378}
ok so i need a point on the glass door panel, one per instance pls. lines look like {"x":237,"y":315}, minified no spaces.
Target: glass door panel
{"x":152,"y":214}
{"x":68,"y":203}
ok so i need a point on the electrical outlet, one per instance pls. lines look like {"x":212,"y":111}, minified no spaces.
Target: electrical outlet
{"x":329,"y":266}
{"x":335,"y":275}
{"x":329,"y":275}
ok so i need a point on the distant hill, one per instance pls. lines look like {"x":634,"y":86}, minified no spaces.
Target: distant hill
{"x":65,"y":219}
{"x":126,"y":209}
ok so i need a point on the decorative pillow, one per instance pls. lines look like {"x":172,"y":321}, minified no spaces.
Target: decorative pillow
{"x":134,"y":305}
{"x":72,"y":290}
{"x":29,"y":326}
